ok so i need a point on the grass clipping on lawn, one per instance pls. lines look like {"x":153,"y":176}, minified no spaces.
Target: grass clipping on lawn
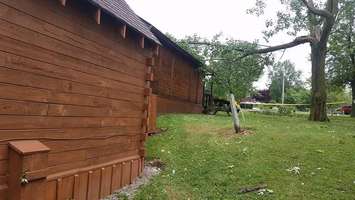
{"x":294,"y":157}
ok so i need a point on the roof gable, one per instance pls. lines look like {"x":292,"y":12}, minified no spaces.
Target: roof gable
{"x":121,"y":10}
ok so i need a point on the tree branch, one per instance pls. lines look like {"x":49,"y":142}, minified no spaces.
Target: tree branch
{"x":319,"y":12}
{"x":332,"y":7}
{"x":297,"y":41}
{"x":211,"y":44}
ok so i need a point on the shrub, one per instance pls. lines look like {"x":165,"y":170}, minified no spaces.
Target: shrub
{"x":287,"y":110}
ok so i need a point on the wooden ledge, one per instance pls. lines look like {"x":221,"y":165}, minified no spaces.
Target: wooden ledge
{"x":37,"y":174}
{"x":27,"y":147}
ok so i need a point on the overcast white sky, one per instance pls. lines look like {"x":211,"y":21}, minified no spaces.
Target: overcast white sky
{"x":207,"y":17}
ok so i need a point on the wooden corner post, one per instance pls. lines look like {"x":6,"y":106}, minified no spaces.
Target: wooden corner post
{"x":28,"y":162}
{"x":150,"y":62}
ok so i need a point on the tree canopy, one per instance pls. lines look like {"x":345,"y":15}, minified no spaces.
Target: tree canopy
{"x":341,"y":57}
{"x":223,"y":67}
{"x":292,"y":79}
{"x":309,"y":21}
{"x":342,"y":47}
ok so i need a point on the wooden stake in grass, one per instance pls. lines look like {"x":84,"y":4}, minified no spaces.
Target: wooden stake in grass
{"x":235,"y":116}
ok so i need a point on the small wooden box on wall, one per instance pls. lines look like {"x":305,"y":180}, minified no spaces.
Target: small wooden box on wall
{"x":28,"y":162}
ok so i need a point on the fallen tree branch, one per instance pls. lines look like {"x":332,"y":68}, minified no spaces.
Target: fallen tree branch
{"x":158,"y":131}
{"x":252,"y":189}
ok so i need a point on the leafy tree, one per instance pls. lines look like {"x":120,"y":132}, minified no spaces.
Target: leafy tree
{"x":199,"y":52}
{"x":341,"y":57}
{"x":222,"y":69}
{"x":230,"y":75}
{"x":298,"y":95}
{"x":337,"y":94}
{"x":291,"y":76}
{"x":299,"y":16}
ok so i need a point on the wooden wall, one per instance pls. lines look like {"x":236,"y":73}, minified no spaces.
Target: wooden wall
{"x":168,"y":105}
{"x":177,"y":83}
{"x":74,"y":85}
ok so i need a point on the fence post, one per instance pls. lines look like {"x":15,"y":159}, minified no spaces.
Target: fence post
{"x":28,"y":162}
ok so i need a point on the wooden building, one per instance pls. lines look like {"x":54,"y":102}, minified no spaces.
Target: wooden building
{"x":177,"y":85}
{"x":75,"y":96}
{"x":74,"y":84}
{"x":178,"y":79}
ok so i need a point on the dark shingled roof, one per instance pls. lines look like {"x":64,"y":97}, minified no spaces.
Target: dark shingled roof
{"x":168,"y":43}
{"x":121,"y":10}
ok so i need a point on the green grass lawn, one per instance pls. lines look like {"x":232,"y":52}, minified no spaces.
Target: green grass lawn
{"x":205,"y":160}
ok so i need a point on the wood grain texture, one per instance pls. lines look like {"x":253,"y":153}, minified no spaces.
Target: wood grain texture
{"x":126,"y":173}
{"x":106,"y":181}
{"x":171,"y":105}
{"x":78,"y":88}
{"x":116,"y":177}
{"x":178,"y":80}
{"x":94,"y":185}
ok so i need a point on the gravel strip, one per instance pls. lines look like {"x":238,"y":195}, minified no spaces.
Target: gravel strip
{"x":129,"y":191}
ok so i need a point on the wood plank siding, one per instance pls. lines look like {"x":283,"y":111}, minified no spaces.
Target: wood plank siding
{"x":79,"y":88}
{"x":178,"y":84}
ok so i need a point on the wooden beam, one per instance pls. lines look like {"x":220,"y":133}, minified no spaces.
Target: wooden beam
{"x":63,"y":2}
{"x":156,"y":50}
{"x":98,"y":16}
{"x":172,"y":72}
{"x":150,"y":62}
{"x":123,"y":31}
{"x":141,"y":41}
{"x":148,"y":91}
{"x":149,"y":77}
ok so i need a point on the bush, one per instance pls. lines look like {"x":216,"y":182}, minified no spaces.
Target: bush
{"x":287,"y":110}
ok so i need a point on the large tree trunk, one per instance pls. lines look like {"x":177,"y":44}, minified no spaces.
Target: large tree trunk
{"x":353,"y":98}
{"x":352,"y":57}
{"x":319,"y":94}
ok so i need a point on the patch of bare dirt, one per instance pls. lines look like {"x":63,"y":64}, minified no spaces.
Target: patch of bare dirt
{"x":226,"y":132}
{"x":156,"y":163}
{"x":230,"y":133}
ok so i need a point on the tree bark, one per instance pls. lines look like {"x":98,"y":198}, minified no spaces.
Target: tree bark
{"x":235,"y":116}
{"x":352,"y":57}
{"x":353,"y":98}
{"x":319,"y":94}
